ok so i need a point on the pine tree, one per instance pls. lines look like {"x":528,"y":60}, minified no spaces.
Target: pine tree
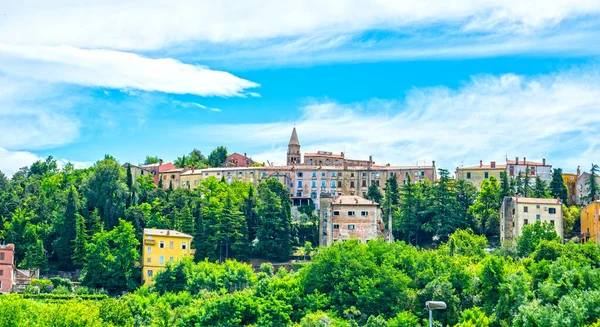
{"x":95,"y":224}
{"x":63,"y":246}
{"x":129,"y":182}
{"x":233,"y":231}
{"x":540,"y":189}
{"x":249,"y":211}
{"x":374,"y":194}
{"x":160,"y":183}
{"x":79,"y":242}
{"x":558,"y":187}
{"x":527,"y":183}
{"x":593,"y":183}
{"x":506,"y":187}
{"x":170,"y":187}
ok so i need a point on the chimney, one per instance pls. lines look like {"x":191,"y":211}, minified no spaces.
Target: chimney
{"x":433,"y":163}
{"x":370,"y":162}
{"x":524,"y":160}
{"x":480,"y":163}
{"x":516,"y":160}
{"x":578,"y":171}
{"x":492,"y":164}
{"x":544,"y":161}
{"x":342,"y":154}
{"x":192,"y":169}
{"x":245,"y":160}
{"x":168,"y":232}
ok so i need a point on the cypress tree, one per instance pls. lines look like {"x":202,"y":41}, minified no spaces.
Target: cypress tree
{"x":374,"y":194}
{"x":593,"y":183}
{"x":540,"y":189}
{"x":79,"y":242}
{"x":67,"y":233}
{"x":558,"y":187}
{"x":129,"y":182}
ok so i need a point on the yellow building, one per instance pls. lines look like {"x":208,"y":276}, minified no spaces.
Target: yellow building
{"x":589,"y":222}
{"x":570,"y":181}
{"x":477,"y":174}
{"x":161,"y":246}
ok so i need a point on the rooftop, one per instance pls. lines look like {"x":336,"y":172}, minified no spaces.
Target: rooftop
{"x":353,"y":199}
{"x":483,"y":167}
{"x":327,"y":155}
{"x":538,"y":200}
{"x":528,"y":163}
{"x":165,"y":232}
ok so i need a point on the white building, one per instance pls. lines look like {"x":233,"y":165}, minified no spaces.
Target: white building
{"x":517,"y":212}
{"x":519,"y":167}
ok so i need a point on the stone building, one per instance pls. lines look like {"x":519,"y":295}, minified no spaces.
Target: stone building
{"x":513,"y":168}
{"x":349,"y":217}
{"x":518,"y":211}
{"x":7,"y":267}
{"x":582,"y":189}
{"x":519,"y":167}
{"x":237,"y":160}
{"x":477,"y":174}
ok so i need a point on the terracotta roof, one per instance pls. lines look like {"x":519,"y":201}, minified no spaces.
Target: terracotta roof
{"x":528,"y":163}
{"x":538,"y":201}
{"x":374,"y":168}
{"x":353,"y":199}
{"x":175,"y":170}
{"x":165,"y":232}
{"x":163,"y":167}
{"x":483,"y":167}
{"x":337,"y":156}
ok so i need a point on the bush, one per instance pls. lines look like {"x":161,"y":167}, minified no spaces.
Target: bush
{"x":44,"y":285}
{"x":57,"y":282}
{"x":61,"y":290}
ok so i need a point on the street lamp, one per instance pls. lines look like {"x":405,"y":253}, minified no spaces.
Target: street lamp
{"x":434,"y":305}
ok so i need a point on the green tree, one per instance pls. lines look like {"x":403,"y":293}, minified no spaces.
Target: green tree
{"x":558,"y":187}
{"x":111,"y":260}
{"x":465,"y":242}
{"x":217,"y":157}
{"x":533,"y":234}
{"x":180,"y":162}
{"x":592,"y":183}
{"x":275,"y":221}
{"x":486,"y":207}
{"x":129,"y":183}
{"x":540,"y":189}
{"x":444,"y":209}
{"x":79,"y":242}
{"x":151,"y":160}
{"x":571,"y":218}
{"x":506,"y":187}
{"x":105,"y":189}
{"x":374,"y":194}
{"x":67,"y":230}
{"x":35,"y":257}
{"x":233,"y":231}
{"x":474,"y":317}
{"x":466,"y":194}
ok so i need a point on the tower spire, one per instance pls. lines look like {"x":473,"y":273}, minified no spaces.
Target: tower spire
{"x":293,"y":155}
{"x":294,"y":138}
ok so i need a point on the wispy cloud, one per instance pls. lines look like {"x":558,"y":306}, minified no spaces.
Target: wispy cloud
{"x":238,"y":21}
{"x":490,"y":117}
{"x":195,"y":105}
{"x":114,"y":69}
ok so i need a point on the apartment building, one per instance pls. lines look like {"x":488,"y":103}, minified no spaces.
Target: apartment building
{"x":519,"y":168}
{"x":590,"y":216}
{"x":161,"y":246}
{"x":517,"y":212}
{"x":582,"y":189}
{"x":7,"y":267}
{"x":349,"y":217}
{"x":477,"y":174}
{"x":237,"y":160}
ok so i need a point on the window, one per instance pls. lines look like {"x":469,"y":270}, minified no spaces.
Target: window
{"x":323,"y":174}
{"x":314,"y":174}
{"x":313,"y":195}
{"x":336,"y":213}
{"x":196,"y":182}
{"x":333,"y":184}
{"x":149,"y":273}
{"x":1,"y":272}
{"x":352,"y":184}
{"x":313,"y":184}
{"x":300,"y":174}
{"x":336,"y":226}
{"x":299,"y":183}
{"x":299,"y":193}
{"x":423,"y":173}
{"x":406,"y":174}
{"x":416,"y":173}
{"x":161,"y":244}
{"x":339,"y":183}
{"x":537,"y":206}
{"x":350,"y":213}
{"x":351,"y":174}
{"x":377,"y":183}
{"x":552,"y":222}
{"x":351,"y":227}
{"x":149,"y":259}
{"x":525,"y":209}
{"x":486,"y":175}
{"x":323,"y":184}
{"x":184,"y":245}
{"x":333,"y":174}
{"x":537,"y":217}
{"x":1,"y":255}
{"x":364,"y":183}
{"x":552,"y":211}
{"x":364,"y":213}
{"x":161,"y":259}
{"x":171,"y":245}
{"x":525,"y":221}
{"x":468,"y":175}
{"x":364,"y":174}
{"x":149,"y":250}
{"x":171,"y":259}
{"x":364,"y":193}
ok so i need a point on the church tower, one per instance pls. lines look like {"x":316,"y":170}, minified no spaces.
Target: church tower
{"x":293,"y":155}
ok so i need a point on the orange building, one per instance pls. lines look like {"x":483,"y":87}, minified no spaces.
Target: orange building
{"x":570,"y":181}
{"x":589,"y":222}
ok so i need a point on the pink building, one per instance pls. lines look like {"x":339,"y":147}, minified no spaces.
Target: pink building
{"x":7,"y":267}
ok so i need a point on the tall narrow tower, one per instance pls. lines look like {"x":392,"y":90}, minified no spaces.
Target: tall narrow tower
{"x":293,"y":154}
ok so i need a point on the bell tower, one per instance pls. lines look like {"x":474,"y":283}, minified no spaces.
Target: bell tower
{"x":293,"y":154}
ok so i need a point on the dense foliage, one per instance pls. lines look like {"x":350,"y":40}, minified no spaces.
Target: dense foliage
{"x":353,"y":284}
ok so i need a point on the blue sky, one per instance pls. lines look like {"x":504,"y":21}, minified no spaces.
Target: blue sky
{"x":407,"y":83}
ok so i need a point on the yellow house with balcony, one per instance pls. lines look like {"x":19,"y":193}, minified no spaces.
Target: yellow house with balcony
{"x":161,"y":246}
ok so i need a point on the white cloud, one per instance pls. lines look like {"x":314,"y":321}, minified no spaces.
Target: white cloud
{"x":553,"y":116}
{"x":11,"y":161}
{"x":114,"y":69}
{"x":195,"y":105}
{"x":154,"y":24}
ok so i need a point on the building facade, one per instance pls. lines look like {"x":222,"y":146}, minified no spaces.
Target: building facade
{"x":237,"y":160}
{"x":477,"y":174}
{"x":582,"y":189}
{"x":157,"y":168}
{"x":590,"y":216}
{"x":570,"y":181}
{"x":517,"y":212}
{"x":7,"y":267}
{"x":161,"y":246}
{"x":518,"y":167}
{"x":349,"y":217}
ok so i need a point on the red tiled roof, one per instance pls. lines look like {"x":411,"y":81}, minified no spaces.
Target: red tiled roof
{"x":337,"y":156}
